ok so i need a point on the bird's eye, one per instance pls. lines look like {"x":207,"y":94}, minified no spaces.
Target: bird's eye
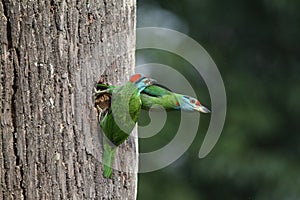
{"x":192,"y":101}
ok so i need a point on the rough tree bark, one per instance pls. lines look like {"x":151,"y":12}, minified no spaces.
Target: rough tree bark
{"x":52,"y":54}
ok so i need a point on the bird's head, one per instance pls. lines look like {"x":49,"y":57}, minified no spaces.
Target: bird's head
{"x":190,"y":104}
{"x":141,"y":81}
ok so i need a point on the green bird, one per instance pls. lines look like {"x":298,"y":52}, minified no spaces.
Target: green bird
{"x":156,"y":96}
{"x":118,"y":111}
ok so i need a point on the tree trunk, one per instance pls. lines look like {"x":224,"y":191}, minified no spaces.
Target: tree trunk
{"x":52,"y":54}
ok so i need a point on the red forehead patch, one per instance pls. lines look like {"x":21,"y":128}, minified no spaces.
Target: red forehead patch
{"x":135,"y":77}
{"x":177,"y":103}
{"x":198,"y":103}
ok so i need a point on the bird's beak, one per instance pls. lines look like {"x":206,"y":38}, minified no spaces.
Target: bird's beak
{"x":203,"y":109}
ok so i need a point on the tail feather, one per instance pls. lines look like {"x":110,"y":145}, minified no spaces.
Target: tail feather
{"x":107,"y":160}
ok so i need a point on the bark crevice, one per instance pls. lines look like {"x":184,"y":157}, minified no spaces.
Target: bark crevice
{"x":8,"y":25}
{"x":15,"y":53}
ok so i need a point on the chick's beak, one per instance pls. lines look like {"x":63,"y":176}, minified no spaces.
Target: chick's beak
{"x":203,"y":109}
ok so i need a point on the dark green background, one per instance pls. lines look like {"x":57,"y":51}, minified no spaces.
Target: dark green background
{"x":256,"y":46}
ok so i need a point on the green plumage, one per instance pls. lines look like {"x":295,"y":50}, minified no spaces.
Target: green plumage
{"x":158,"y":95}
{"x":118,"y":123}
{"x":119,"y":118}
{"x":122,"y":106}
{"x":155,"y":96}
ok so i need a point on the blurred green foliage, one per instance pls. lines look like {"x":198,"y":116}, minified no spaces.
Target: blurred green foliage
{"x":256,"y":46}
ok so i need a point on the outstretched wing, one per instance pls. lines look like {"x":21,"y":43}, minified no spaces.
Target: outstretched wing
{"x":156,"y":90}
